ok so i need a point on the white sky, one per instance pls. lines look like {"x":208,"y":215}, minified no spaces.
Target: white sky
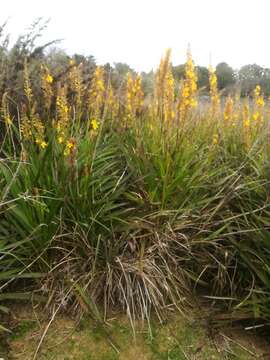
{"x":138,"y":31}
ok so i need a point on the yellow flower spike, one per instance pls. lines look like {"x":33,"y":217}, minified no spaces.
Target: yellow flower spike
{"x":46,"y":86}
{"x":245,"y":111}
{"x":257,"y":90}
{"x":95,"y":124}
{"x":5,"y":110}
{"x":27,"y":86}
{"x":228,"y":109}
{"x":75,"y":83}
{"x":215,"y":101}
{"x":165,"y":89}
{"x":62,"y":111}
{"x":259,"y":97}
{"x":168,"y":105}
{"x":96,"y":93}
{"x":188,"y":88}
{"x":259,"y":105}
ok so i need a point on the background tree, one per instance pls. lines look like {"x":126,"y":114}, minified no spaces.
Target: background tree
{"x":251,"y":75}
{"x":203,"y":77}
{"x":225,"y":76}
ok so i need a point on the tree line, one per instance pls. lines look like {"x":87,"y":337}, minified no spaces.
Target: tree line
{"x":24,"y":50}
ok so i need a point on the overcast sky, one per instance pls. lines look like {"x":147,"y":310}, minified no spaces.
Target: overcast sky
{"x":138,"y":31}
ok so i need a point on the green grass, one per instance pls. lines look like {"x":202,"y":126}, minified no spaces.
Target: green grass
{"x":176,"y":339}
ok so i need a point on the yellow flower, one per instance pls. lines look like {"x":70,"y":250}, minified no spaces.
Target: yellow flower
{"x":70,"y":146}
{"x":256,"y":116}
{"x":43,"y":145}
{"x":100,"y":84}
{"x":66,"y":152}
{"x":49,"y":79}
{"x":193,"y":103}
{"x":95,"y":124}
{"x":8,"y":120}
{"x":257,"y":90}
{"x":247,"y":123}
{"x":215,"y":139}
{"x":260,"y":101}
{"x":60,"y":139}
{"x":259,"y":97}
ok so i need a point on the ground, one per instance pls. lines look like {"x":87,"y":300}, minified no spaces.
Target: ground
{"x":177,"y":339}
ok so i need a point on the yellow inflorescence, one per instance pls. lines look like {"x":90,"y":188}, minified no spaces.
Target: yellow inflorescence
{"x":76,"y":85}
{"x":228,"y":109}
{"x":62,"y":115}
{"x":26,"y":128}
{"x":31,"y":126}
{"x":259,"y":104}
{"x":27,"y":86}
{"x":161,"y":86}
{"x":5,"y":111}
{"x":112,"y":102}
{"x":161,"y":75}
{"x":39,"y":131}
{"x":134,"y":95}
{"x":49,"y":78}
{"x":169,"y":97}
{"x":33,"y":129}
{"x":70,"y":147}
{"x":215,"y":139}
{"x":166,"y":108}
{"x":46,"y":86}
{"x":94,"y":124}
{"x":215,"y":101}
{"x":246,"y":114}
{"x":188,"y":90}
{"x":96,"y":95}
